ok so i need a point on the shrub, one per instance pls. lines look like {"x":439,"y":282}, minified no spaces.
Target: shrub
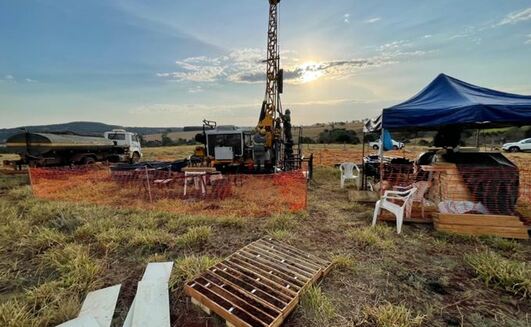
{"x":496,"y":271}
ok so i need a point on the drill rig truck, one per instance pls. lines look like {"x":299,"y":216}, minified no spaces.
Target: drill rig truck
{"x":269,"y":146}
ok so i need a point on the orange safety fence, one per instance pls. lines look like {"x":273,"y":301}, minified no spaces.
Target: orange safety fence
{"x":210,"y":194}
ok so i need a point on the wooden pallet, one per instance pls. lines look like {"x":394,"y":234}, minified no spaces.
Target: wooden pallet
{"x":492,"y":225}
{"x":259,"y":285}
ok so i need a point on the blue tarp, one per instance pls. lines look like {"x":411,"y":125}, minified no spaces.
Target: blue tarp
{"x":449,"y":101}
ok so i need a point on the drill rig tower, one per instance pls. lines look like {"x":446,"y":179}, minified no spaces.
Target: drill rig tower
{"x":272,"y":119}
{"x":269,"y":147}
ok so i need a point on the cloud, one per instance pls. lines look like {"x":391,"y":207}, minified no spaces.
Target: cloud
{"x":516,"y":17}
{"x":247,"y":65}
{"x":428,"y":36}
{"x":528,"y":41}
{"x":169,"y":108}
{"x":346,"y":18}
{"x":373,"y":20}
{"x":195,"y":89}
{"x":9,"y":77}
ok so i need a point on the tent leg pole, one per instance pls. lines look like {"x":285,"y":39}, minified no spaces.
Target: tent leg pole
{"x":363,"y":181}
{"x":381,"y":149}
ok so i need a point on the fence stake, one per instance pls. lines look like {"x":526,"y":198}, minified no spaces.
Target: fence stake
{"x":30,"y":180}
{"x":148,"y":186}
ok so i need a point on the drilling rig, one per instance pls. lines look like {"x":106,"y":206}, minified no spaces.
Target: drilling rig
{"x":267,"y":148}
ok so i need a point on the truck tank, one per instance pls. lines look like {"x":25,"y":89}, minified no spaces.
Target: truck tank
{"x":39,"y":144}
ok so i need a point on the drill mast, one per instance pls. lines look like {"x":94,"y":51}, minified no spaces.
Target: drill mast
{"x":272,"y":96}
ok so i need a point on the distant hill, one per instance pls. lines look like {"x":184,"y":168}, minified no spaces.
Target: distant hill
{"x":85,"y":128}
{"x":152,"y":133}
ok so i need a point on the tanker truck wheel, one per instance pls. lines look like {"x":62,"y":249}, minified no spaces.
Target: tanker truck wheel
{"x":89,"y":161}
{"x":135,"y":158}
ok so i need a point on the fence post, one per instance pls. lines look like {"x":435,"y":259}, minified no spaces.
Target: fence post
{"x":30,"y":180}
{"x":148,"y":186}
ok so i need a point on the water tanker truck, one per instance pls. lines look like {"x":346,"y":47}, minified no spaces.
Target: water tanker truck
{"x":50,"y":149}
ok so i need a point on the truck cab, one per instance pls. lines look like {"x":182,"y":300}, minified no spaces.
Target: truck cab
{"x":128,"y":140}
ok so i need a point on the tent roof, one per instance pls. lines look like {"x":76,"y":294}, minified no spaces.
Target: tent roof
{"x":449,"y":101}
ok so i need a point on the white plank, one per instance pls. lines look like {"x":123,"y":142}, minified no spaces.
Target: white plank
{"x":158,"y":271}
{"x":100,"y":305}
{"x":84,"y":321}
{"x":129,"y":319}
{"x":152,"y":305}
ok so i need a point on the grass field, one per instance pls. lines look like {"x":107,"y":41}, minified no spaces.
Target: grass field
{"x":53,"y":253}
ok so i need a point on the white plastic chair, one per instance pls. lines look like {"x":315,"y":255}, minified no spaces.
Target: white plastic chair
{"x":396,"y":209}
{"x":422,"y":189}
{"x":347,"y":173}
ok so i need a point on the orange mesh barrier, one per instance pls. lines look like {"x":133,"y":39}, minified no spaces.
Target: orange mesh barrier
{"x":499,"y":190}
{"x":210,"y":194}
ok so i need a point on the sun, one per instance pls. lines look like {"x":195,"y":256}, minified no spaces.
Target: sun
{"x":310,"y":71}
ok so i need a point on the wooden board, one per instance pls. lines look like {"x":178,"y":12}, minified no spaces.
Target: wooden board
{"x":416,"y":215}
{"x":482,"y":220}
{"x":259,"y":285}
{"x":479,"y":225}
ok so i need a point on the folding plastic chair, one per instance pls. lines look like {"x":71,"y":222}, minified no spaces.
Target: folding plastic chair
{"x":422,"y":187}
{"x":388,"y":202}
{"x":347,"y":173}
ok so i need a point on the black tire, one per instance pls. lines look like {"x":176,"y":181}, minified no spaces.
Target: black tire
{"x":514,"y":149}
{"x":89,"y":161}
{"x":135,"y":158}
{"x":375,"y":147}
{"x":395,"y":147}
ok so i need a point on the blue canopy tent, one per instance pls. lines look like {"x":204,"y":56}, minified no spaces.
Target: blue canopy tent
{"x":449,"y":101}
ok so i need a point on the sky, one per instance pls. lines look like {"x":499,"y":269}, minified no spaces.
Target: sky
{"x":175,"y":63}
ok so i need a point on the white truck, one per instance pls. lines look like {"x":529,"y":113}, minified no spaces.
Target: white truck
{"x":396,"y":145}
{"x":54,"y":149}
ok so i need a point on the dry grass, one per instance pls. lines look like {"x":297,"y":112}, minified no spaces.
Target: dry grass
{"x":496,"y":271}
{"x":281,"y":234}
{"x":44,"y":245}
{"x":344,"y":262}
{"x":389,"y":315}
{"x":195,"y":236}
{"x":316,"y":307}
{"x":15,"y":314}
{"x":379,"y":237}
{"x":188,"y":267}
{"x":170,"y":153}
